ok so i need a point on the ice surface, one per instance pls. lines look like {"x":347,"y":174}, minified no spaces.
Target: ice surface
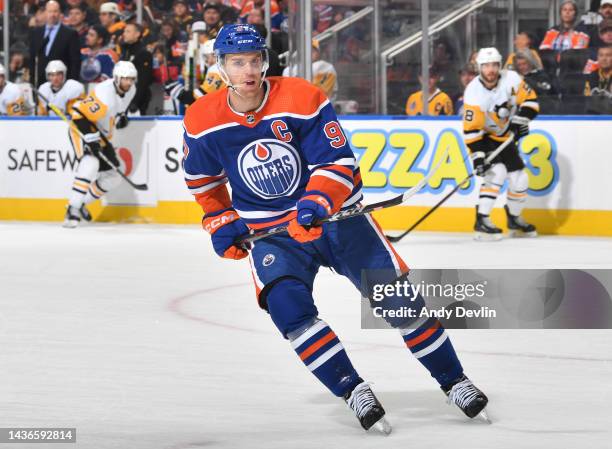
{"x":139,"y":336}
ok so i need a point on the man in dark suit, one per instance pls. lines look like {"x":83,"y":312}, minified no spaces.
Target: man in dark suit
{"x":133,"y":50}
{"x":54,"y":41}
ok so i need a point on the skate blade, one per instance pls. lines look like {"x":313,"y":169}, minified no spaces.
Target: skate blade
{"x":70,"y":224}
{"x":484,"y":416}
{"x":382,"y":426}
{"x":484,"y":237}
{"x":520,"y":234}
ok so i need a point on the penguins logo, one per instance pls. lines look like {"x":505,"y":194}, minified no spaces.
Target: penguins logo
{"x":270,"y":168}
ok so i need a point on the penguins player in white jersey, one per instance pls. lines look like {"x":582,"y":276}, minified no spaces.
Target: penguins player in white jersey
{"x":11,"y":97}
{"x":106,"y":107}
{"x":58,"y":90}
{"x":496,"y":103}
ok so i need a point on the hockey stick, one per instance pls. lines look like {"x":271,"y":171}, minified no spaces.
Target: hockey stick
{"x":489,"y":158}
{"x":102,"y":156}
{"x":352,"y":211}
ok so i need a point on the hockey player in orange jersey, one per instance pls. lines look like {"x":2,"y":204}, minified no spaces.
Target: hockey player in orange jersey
{"x":278,"y":144}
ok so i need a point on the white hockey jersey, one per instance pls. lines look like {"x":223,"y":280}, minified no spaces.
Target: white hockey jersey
{"x":103,"y":104}
{"x":64,"y":98}
{"x":11,"y":100}
{"x":488,"y":111}
{"x":101,"y":107}
{"x":324,"y":76}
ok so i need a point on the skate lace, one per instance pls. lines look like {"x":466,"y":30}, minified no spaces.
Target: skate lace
{"x":362,"y":399}
{"x":463,"y":393}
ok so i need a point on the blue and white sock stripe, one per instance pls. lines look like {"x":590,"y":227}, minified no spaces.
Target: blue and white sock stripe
{"x":308,"y":335}
{"x":426,"y":339}
{"x":317,"y":345}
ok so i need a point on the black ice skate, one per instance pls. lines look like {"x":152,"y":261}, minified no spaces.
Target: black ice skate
{"x":485,"y":229}
{"x":72,"y":218}
{"x":85,"y":215}
{"x":464,"y":394}
{"x":367,"y":408}
{"x":518,"y":227}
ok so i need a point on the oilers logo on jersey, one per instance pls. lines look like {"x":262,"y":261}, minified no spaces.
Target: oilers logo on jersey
{"x":270,"y":168}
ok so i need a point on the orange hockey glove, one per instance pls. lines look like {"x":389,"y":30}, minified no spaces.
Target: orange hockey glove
{"x":310,"y":209}
{"x":225,"y":227}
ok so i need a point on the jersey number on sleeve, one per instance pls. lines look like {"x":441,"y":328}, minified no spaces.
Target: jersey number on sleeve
{"x":335,"y":135}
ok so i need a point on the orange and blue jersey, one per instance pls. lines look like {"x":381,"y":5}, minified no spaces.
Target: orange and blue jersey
{"x":290,"y":145}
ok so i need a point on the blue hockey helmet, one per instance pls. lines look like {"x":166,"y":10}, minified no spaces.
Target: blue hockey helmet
{"x":238,"y":38}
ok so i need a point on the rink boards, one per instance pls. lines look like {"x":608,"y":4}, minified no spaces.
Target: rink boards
{"x":569,"y":163}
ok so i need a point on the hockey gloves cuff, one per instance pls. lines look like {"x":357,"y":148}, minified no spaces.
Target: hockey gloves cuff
{"x":91,"y":137}
{"x":311,"y":208}
{"x":480,"y":165}
{"x":122,"y":121}
{"x":224,"y":228}
{"x":519,"y":125}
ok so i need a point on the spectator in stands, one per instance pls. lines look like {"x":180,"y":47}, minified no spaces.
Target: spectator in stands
{"x":546,"y":88}
{"x":212,"y":18}
{"x":598,"y":85}
{"x":323,"y":17}
{"x":523,"y":42}
{"x":566,"y":35}
{"x":91,"y":17}
{"x":256,"y":17}
{"x":467,"y":73}
{"x":446,"y":67}
{"x":276,"y":15}
{"x":472,"y":58}
{"x":53,"y":41}
{"x":98,"y":58}
{"x":38,"y":19}
{"x":605,"y":38}
{"x":228,"y":9}
{"x":439,"y":102}
{"x":180,"y":15}
{"x":162,"y":73}
{"x":173,"y":44}
{"x":595,"y":18}
{"x":605,"y":32}
{"x":110,"y":18}
{"x":352,"y":50}
{"x":279,"y":39}
{"x":76,"y":21}
{"x":133,"y":50}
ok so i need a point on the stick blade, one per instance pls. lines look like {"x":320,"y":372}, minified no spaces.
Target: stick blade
{"x":393,"y":238}
{"x":140,"y":186}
